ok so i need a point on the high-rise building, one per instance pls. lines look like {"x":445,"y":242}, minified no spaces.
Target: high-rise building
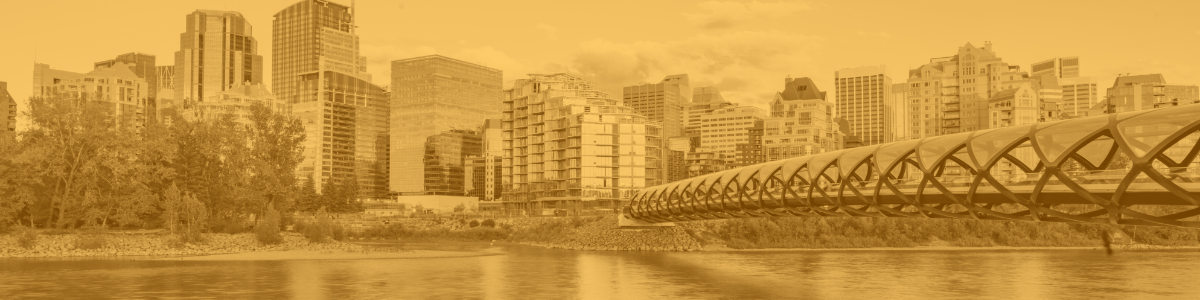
{"x":8,"y":109}
{"x":801,"y":122}
{"x":723,"y":129}
{"x":665,"y":102}
{"x":1138,"y":92}
{"x":899,"y":113}
{"x":118,"y":86}
{"x":311,"y":36}
{"x":950,"y":94}
{"x":483,"y":171}
{"x":1060,"y":67}
{"x":217,"y":50}
{"x":1078,"y":95}
{"x":862,"y":95}
{"x":436,"y":96}
{"x":750,"y":152}
{"x":567,"y":145}
{"x":316,"y":68}
{"x":707,"y":99}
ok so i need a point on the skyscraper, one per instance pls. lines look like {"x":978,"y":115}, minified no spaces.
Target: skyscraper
{"x":433,"y":98}
{"x":664,"y":102}
{"x":862,"y":95}
{"x":567,"y":145}
{"x":216,"y":51}
{"x":1060,"y":67}
{"x":1078,"y":95}
{"x":8,"y":109}
{"x":311,"y":36}
{"x":316,"y":68}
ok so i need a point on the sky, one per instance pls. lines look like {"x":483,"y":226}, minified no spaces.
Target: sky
{"x":744,"y":48}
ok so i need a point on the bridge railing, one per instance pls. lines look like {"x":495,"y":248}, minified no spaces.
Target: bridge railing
{"x":1117,"y":164}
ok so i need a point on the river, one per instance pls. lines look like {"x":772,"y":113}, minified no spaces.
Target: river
{"x":525,"y":272}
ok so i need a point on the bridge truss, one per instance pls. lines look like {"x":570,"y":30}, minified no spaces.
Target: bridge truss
{"x":1136,"y":168}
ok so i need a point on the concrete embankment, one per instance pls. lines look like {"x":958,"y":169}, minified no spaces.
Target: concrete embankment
{"x":74,"y":245}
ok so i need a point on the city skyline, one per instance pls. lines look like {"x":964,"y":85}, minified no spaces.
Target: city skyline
{"x":741,"y":48}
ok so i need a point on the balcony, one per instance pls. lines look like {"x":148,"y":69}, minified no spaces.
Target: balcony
{"x":950,"y":116}
{"x":950,"y":123}
{"x":950,"y":108}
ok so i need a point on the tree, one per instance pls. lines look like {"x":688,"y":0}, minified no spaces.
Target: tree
{"x":341,"y":196}
{"x":276,"y":150}
{"x":213,"y":163}
{"x":308,"y":200}
{"x":88,"y":164}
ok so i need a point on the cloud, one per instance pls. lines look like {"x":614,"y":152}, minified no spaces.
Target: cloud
{"x":727,"y":14}
{"x":880,"y":34}
{"x":551,"y":32}
{"x":748,"y":67}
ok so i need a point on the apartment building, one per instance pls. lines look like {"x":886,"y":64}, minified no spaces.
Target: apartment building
{"x":723,"y":129}
{"x":862,"y":95}
{"x":8,"y":109}
{"x":801,"y":122}
{"x":567,"y":145}
{"x":950,"y":94}
{"x":1139,"y":92}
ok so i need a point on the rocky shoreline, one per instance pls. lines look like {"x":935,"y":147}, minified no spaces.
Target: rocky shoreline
{"x":68,"y":245}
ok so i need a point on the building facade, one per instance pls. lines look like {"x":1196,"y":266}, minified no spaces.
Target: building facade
{"x":483,"y":171}
{"x":126,"y":93}
{"x":1078,"y":96}
{"x":862,"y":95}
{"x":433,"y":96}
{"x":1059,"y":67}
{"x":217,"y":50}
{"x":8,"y":110}
{"x":665,"y":102}
{"x":899,"y":122}
{"x":723,"y":129}
{"x":568,"y":146}
{"x":707,"y":99}
{"x":316,"y":68}
{"x":950,"y":94}
{"x":236,"y":102}
{"x":801,"y":122}
{"x":1139,"y":92}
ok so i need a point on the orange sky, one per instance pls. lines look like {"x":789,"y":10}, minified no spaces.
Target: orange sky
{"x":745,"y":48}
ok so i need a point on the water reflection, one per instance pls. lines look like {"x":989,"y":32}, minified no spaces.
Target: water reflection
{"x":526,"y":272}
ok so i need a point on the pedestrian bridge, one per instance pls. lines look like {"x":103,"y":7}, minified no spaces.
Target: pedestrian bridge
{"x":1136,"y":168}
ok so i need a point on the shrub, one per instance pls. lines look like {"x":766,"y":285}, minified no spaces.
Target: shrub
{"x":90,"y":242}
{"x":229,"y":225}
{"x":321,"y":229}
{"x":474,"y":224}
{"x":267,"y":230}
{"x":488,"y":223}
{"x":338,"y":233}
{"x":27,"y":238}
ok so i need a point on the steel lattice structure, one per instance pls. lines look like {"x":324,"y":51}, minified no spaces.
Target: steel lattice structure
{"x":1116,"y":165}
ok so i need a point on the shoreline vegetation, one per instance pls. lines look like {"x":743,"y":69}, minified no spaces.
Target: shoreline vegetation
{"x":323,"y":240}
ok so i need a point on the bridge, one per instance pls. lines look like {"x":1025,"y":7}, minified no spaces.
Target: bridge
{"x":1136,"y":168}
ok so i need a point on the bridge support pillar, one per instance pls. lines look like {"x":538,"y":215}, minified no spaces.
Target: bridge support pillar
{"x":1119,"y":236}
{"x":624,"y":222}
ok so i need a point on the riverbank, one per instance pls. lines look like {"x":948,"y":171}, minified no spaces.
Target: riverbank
{"x":156,"y":244}
{"x":334,"y":255}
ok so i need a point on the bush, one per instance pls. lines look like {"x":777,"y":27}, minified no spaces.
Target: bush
{"x":230,"y":225}
{"x":267,"y":230}
{"x":90,"y":241}
{"x":474,"y":224}
{"x":338,"y":233}
{"x":320,"y":230}
{"x":488,"y":223}
{"x":27,"y":238}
